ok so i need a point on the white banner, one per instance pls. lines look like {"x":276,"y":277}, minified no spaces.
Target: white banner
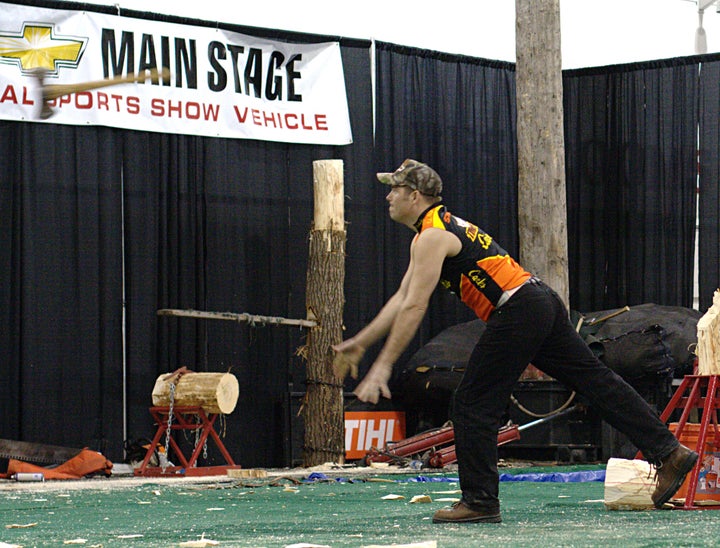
{"x":220,"y":83}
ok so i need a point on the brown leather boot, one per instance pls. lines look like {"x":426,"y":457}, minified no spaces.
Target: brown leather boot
{"x":671,"y":473}
{"x":460,"y":513}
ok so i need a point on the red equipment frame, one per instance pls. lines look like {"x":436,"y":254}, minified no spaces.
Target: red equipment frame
{"x":446,"y":455}
{"x":708,"y":403}
{"x":185,"y":418}
{"x":437,"y":442}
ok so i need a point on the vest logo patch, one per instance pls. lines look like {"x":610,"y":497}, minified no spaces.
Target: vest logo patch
{"x":478,"y":278}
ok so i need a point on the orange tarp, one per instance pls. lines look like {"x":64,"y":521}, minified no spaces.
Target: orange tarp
{"x":84,"y":463}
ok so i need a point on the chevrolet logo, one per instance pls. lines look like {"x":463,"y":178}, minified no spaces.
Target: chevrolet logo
{"x":37,"y":47}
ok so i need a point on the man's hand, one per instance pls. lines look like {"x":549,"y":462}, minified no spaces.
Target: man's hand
{"x":347,"y":357}
{"x":374,"y":384}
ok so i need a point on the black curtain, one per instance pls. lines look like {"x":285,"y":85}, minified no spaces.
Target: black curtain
{"x":630,"y":143}
{"x":60,"y":190}
{"x":457,"y":114}
{"x":709,"y":188}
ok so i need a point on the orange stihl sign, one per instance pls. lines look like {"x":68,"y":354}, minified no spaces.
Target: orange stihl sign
{"x":366,"y":429}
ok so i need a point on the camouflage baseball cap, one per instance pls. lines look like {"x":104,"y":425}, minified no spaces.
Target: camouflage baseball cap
{"x":416,"y":175}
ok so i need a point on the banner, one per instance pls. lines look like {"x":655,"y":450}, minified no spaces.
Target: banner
{"x":207,"y":81}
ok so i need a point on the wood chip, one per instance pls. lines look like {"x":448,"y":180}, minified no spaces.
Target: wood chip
{"x":246,"y":473}
{"x":420,"y":498}
{"x":202,"y":543}
{"x":424,"y":544}
{"x":20,"y":525}
{"x":392,"y":497}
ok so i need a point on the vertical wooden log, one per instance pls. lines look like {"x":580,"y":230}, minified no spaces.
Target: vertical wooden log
{"x":323,"y":413}
{"x":542,"y":215}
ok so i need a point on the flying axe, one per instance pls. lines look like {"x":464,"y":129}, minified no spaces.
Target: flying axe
{"x":53,"y":91}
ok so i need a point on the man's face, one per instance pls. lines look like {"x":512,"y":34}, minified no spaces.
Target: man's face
{"x":401,"y":203}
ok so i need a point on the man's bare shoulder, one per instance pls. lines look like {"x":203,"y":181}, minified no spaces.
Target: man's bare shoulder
{"x":437,"y":241}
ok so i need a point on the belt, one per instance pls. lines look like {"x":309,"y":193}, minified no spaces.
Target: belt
{"x":505,"y":297}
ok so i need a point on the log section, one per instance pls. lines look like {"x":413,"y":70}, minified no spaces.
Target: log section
{"x":214,"y":392}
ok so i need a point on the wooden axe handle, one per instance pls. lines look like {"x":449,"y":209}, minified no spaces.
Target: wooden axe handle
{"x":608,"y":316}
{"x":54,"y":91}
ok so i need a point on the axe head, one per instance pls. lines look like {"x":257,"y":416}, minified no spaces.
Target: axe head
{"x":45,"y":110}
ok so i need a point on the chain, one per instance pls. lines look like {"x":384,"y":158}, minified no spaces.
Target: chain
{"x":197,"y":431}
{"x":164,"y":461}
{"x":197,"y":437}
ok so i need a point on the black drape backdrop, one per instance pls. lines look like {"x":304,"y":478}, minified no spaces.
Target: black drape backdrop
{"x":631,"y":141}
{"x":62,"y":290}
{"x":709,"y":189}
{"x":100,"y":227}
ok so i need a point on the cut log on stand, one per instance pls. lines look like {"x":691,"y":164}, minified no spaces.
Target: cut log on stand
{"x":214,"y":392}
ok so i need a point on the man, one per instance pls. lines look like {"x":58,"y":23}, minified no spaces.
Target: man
{"x":526,"y":322}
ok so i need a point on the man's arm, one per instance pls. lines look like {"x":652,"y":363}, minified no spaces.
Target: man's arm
{"x":427,"y":254}
{"x":349,"y":352}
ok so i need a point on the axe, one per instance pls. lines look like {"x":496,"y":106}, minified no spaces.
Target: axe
{"x":50,"y":92}
{"x":599,"y":319}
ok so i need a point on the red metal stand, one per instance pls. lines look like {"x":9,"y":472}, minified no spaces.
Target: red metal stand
{"x":703,"y":395}
{"x":185,"y":418}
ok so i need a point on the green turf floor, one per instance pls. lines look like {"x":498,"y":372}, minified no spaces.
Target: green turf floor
{"x":333,"y":513}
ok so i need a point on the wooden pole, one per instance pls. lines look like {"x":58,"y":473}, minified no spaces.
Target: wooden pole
{"x":322,"y":412}
{"x":542,"y":215}
{"x":252,"y":319}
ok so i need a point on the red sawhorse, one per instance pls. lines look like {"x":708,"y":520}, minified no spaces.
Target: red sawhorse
{"x":191,"y":418}
{"x":696,"y":392}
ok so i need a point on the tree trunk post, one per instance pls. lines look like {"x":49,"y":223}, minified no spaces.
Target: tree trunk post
{"x":322,"y":412}
{"x":542,"y":210}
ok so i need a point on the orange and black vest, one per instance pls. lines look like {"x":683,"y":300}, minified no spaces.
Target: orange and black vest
{"x":482,"y":271}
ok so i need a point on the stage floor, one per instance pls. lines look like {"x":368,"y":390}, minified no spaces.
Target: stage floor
{"x":347,"y":507}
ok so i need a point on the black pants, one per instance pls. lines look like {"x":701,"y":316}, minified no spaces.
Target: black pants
{"x":533,"y":327}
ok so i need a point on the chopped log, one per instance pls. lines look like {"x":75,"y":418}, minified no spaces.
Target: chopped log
{"x":214,"y":392}
{"x":323,"y":413}
{"x":708,"y":333}
{"x":629,"y":485}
